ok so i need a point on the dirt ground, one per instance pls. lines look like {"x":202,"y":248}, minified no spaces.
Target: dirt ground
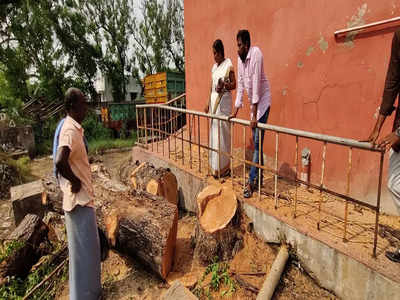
{"x":126,"y":278}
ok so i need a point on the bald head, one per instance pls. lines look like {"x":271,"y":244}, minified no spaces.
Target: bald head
{"x":75,"y":104}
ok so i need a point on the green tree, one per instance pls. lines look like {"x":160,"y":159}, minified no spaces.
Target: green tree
{"x":112,"y":20}
{"x":159,"y":37}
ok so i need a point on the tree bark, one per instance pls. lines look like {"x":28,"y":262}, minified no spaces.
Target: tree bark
{"x":217,"y":227}
{"x":143,"y":225}
{"x":156,"y":181}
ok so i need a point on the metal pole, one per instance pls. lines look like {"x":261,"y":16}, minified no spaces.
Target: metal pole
{"x":190,"y":141}
{"x":137,"y":125}
{"x":276,"y":169}
{"x":259,"y":163}
{"x":378,"y":204}
{"x":152,"y":129}
{"x":219,"y":148}
{"x":175,"y":113}
{"x":169,"y":133}
{"x":231,"y":127}
{"x":346,"y":208}
{"x":183,"y":150}
{"x":208,"y":145}
{"x":296,"y":162}
{"x":145,"y":126}
{"x":322,"y":184}
{"x":198,"y":140}
{"x":244,"y":157}
{"x":157,"y":126}
{"x":163,"y":126}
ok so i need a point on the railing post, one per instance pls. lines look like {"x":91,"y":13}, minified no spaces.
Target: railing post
{"x":378,"y":204}
{"x":244,"y":157}
{"x":175,"y":113}
{"x":137,"y":125}
{"x":145,"y":126}
{"x":276,"y":169}
{"x":231,"y":129}
{"x":183,"y":150}
{"x":259,"y":162}
{"x":296,"y":163}
{"x":219,"y":148}
{"x":321,"y":185}
{"x":346,"y":207}
{"x":198,"y":140}
{"x":208,"y":145}
{"x":163,"y":126}
{"x":190,"y":140}
{"x":152,"y":129}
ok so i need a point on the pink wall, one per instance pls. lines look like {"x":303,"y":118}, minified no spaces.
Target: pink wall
{"x":317,"y":84}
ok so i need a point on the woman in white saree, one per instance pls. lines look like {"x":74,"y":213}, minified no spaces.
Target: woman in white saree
{"x":220,"y":103}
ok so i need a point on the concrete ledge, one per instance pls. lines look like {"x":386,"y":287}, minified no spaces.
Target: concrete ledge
{"x":333,"y":270}
{"x":189,"y":184}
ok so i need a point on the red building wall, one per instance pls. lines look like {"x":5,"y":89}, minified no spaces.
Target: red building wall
{"x":317,"y":84}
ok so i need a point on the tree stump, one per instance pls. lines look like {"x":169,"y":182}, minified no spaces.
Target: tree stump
{"x":27,"y":247}
{"x":144,"y":225}
{"x":157,"y":181}
{"x":216,"y":229}
{"x":52,"y":196}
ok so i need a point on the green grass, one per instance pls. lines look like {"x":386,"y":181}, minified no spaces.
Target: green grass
{"x":99,"y":146}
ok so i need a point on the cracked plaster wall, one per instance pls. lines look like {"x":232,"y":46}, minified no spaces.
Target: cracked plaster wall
{"x":317,"y":84}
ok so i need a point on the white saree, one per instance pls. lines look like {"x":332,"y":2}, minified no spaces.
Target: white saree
{"x":224,"y":107}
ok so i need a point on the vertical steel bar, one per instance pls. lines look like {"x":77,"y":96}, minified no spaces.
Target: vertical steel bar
{"x":219,"y":148}
{"x":231,"y":128}
{"x":208,"y":146}
{"x":321,"y":185}
{"x":378,"y":205}
{"x":198,"y":140}
{"x":259,"y":163}
{"x":190,"y":140}
{"x":296,"y":163}
{"x":137,"y":126}
{"x":176,"y":154}
{"x":169,"y":134}
{"x":244,"y":157}
{"x":346,"y":208}
{"x":276,"y":169}
{"x":163,"y":126}
{"x":157,"y":127}
{"x":183,"y":150}
{"x":152,"y":129}
{"x":145,"y":126}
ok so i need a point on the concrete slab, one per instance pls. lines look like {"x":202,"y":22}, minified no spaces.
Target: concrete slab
{"x":332,"y":269}
{"x":347,"y":269}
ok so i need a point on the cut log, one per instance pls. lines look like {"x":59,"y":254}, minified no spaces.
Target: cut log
{"x":156,"y":181}
{"x":27,"y":199}
{"x":216,"y":230}
{"x":27,"y":244}
{"x":145,"y":226}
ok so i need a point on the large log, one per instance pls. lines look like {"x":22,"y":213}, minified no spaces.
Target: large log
{"x":28,"y":241}
{"x":157,"y":181}
{"x":216,"y":231}
{"x":145,"y":226}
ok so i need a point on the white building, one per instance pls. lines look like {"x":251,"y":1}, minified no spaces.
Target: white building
{"x":103,"y":87}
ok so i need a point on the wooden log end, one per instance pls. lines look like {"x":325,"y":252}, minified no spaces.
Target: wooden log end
{"x":112,"y":221}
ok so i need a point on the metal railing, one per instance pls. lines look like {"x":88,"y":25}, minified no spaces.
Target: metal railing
{"x":160,"y":120}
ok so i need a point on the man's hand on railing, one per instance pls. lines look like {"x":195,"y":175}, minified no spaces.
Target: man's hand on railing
{"x":390,"y":141}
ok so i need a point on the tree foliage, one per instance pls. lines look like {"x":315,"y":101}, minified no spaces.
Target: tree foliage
{"x":159,"y":37}
{"x":47,"y":46}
